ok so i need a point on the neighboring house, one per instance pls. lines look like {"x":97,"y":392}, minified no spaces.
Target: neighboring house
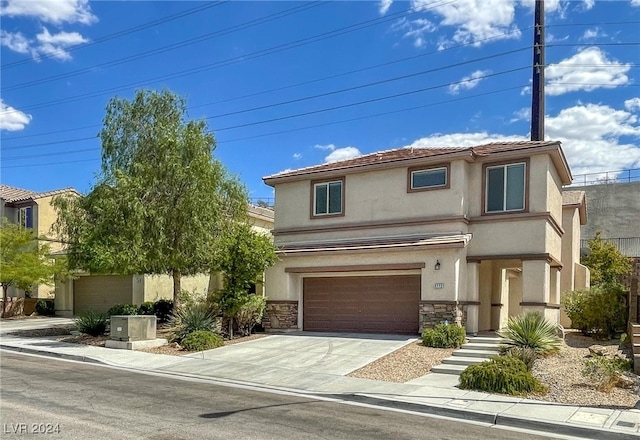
{"x":101,"y":292}
{"x":404,"y":239}
{"x":33,"y":210}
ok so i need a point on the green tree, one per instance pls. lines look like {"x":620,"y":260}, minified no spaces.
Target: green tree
{"x":605,"y":262}
{"x":25,"y":261}
{"x":162,"y":203}
{"x":245,"y":255}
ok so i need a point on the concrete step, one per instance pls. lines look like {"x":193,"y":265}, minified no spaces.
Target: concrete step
{"x":481,"y":346}
{"x":487,"y":339}
{"x":448,"y":369}
{"x":483,"y":354}
{"x":463,"y":360}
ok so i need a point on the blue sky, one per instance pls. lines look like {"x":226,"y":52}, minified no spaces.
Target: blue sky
{"x":285,"y":85}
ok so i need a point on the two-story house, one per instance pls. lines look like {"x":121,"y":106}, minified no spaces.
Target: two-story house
{"x":33,"y":210}
{"x":404,"y":239}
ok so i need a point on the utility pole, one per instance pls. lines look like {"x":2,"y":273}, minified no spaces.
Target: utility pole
{"x":537,"y":92}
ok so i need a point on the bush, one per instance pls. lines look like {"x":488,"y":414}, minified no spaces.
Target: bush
{"x":190,"y":319}
{"x":92,"y":323}
{"x":163,"y":309}
{"x":146,"y":308}
{"x":533,"y":331}
{"x":601,"y":311}
{"x":123,"y":309}
{"x":45,"y":307}
{"x":444,"y":336}
{"x":500,"y":374}
{"x":201,"y":340}
{"x":250,"y":314}
{"x":605,"y":372}
{"x":527,"y":355}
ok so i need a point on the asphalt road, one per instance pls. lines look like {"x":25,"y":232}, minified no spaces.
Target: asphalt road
{"x":72,"y":400}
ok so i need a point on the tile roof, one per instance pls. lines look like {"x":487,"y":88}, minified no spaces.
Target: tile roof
{"x":407,"y":153}
{"x":12,"y":194}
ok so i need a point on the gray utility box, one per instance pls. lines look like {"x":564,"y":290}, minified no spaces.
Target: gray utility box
{"x":133,"y":327}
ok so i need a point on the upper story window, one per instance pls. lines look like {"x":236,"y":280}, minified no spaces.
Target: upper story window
{"x":505,"y":187}
{"x":328,"y":198}
{"x":434,"y":177}
{"x":25,"y":217}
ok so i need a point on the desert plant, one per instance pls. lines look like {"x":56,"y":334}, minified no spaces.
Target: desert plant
{"x":45,"y":307}
{"x":533,"y":331}
{"x":527,"y":355}
{"x":146,"y":308}
{"x":163,"y":309}
{"x":201,"y":340}
{"x":190,"y":319}
{"x":500,"y":374}
{"x":91,"y":323}
{"x":123,"y":309}
{"x":444,"y":336}
{"x":251,"y":313}
{"x":600,"y":311}
{"x":605,"y":372}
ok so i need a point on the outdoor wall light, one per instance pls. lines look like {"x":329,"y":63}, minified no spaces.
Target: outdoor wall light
{"x":437,"y":266}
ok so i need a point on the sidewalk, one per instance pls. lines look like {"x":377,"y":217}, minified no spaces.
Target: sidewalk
{"x":431,"y":394}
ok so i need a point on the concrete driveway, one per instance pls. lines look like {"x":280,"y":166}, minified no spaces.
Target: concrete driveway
{"x":328,"y":353}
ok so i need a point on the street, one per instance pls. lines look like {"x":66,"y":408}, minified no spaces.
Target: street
{"x":74,"y":400}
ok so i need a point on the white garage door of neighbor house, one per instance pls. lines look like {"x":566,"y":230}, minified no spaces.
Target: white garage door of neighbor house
{"x":100,"y":293}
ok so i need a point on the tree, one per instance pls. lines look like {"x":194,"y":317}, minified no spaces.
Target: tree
{"x":605,"y":262}
{"x":25,"y":261}
{"x":162,"y":202}
{"x":246,"y":255}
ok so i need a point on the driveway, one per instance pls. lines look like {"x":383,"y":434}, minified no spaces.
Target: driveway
{"x":328,"y":353}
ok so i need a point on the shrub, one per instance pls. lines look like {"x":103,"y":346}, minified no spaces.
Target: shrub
{"x":190,"y":319}
{"x":123,"y":309}
{"x":605,"y":372}
{"x":527,"y":355}
{"x":91,"y":323}
{"x":601,"y":311}
{"x":500,"y":374}
{"x":45,"y":307}
{"x":251,"y":313}
{"x":201,"y":340}
{"x":444,"y":336}
{"x":163,"y":309}
{"x":533,"y":331}
{"x":146,"y":308}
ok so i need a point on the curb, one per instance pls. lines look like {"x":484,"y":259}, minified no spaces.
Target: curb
{"x":72,"y":357}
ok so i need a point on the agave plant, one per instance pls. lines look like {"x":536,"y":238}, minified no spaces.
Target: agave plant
{"x":532,"y":331}
{"x":191,"y":318}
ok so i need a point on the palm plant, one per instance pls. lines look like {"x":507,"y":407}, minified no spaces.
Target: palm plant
{"x":191,"y":318}
{"x":532,"y":331}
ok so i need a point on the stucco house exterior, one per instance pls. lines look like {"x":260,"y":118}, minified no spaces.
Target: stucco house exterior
{"x":100,"y":292}
{"x":399,"y":240}
{"x":31,"y":209}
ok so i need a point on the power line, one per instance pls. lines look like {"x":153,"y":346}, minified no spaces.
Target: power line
{"x":119,"y":34}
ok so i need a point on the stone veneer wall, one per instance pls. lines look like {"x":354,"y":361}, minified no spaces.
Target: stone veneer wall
{"x":433,"y":313}
{"x":281,"y":315}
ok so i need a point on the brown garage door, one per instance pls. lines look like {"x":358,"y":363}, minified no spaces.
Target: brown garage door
{"x":376,"y":304}
{"x":100,"y":293}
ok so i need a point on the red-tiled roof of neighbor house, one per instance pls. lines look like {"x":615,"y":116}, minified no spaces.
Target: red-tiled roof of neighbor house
{"x":12,"y":194}
{"x":408,"y":153}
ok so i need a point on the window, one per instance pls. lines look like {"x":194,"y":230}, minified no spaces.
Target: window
{"x":505,"y":187}
{"x":328,"y":198}
{"x":436,"y":177}
{"x":25,"y":217}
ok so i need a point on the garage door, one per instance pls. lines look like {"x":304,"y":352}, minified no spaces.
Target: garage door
{"x":100,"y":293}
{"x":376,"y":304}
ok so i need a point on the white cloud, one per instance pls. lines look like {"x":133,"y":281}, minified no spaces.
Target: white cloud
{"x":12,"y":119}
{"x":342,"y":154}
{"x":56,"y":12}
{"x":632,"y":104}
{"x":635,"y":2}
{"x":468,"y":82}
{"x":45,"y":43}
{"x":329,"y":147}
{"x":414,"y":29}
{"x":475,"y":20}
{"x":297,"y":156}
{"x":523,"y":114}
{"x":439,"y":140}
{"x":590,"y":34}
{"x":384,"y":6}
{"x":15,"y":42}
{"x":588,"y":4}
{"x":587,"y":70}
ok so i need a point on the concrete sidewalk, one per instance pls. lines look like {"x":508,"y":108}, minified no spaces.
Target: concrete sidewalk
{"x":431,"y":394}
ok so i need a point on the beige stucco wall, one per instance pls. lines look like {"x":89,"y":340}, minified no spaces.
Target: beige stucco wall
{"x":570,"y":248}
{"x":64,"y":298}
{"x":157,"y":287}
